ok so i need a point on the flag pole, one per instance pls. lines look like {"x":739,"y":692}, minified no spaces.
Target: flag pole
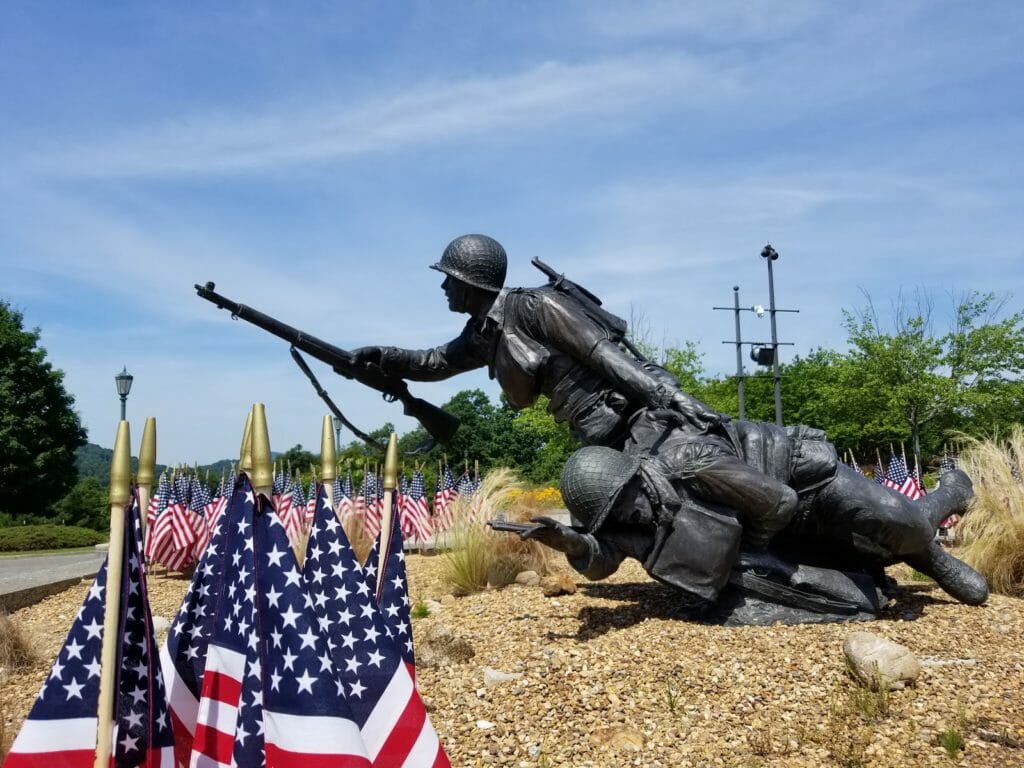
{"x":328,"y":458}
{"x":390,"y":483}
{"x":120,"y":496}
{"x":147,"y":468}
{"x":262,"y":475}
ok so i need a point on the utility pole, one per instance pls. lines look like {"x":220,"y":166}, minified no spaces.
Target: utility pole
{"x":769,"y":254}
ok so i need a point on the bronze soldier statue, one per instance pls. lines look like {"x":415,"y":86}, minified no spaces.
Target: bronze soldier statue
{"x":638,"y":504}
{"x":547,"y":341}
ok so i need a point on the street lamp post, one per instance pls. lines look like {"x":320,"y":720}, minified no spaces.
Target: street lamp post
{"x":337,"y":432}
{"x":123,"y":380}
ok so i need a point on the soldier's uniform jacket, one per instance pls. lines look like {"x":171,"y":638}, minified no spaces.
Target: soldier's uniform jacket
{"x":541,"y":341}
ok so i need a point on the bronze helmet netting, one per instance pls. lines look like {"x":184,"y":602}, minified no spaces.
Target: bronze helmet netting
{"x":592,"y":479}
{"x":477,"y":260}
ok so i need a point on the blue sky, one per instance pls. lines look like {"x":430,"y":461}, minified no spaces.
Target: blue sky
{"x":314,"y":159}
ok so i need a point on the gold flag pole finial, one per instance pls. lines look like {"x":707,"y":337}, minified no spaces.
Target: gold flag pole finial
{"x":391,"y":464}
{"x":328,"y":452}
{"x":262,"y":467}
{"x":121,"y":467}
{"x":390,"y":484}
{"x":120,"y":496}
{"x":147,"y":467}
{"x":245,"y":453}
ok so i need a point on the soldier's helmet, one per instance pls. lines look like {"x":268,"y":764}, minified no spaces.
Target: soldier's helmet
{"x":477,"y":260}
{"x":592,"y":481}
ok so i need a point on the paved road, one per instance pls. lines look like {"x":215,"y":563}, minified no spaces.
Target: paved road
{"x":22,"y":573}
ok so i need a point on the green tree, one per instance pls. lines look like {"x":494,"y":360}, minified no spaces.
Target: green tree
{"x":924,"y":384}
{"x":86,"y":505}
{"x":39,"y":429}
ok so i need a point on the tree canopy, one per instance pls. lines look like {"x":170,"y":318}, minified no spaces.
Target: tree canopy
{"x":39,"y":429}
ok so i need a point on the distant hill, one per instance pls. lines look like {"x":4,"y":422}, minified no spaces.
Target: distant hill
{"x":94,"y":461}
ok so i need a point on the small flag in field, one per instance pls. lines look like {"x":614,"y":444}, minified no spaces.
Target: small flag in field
{"x":415,"y":513}
{"x":899,"y":479}
{"x":373,"y":504}
{"x":443,"y":497}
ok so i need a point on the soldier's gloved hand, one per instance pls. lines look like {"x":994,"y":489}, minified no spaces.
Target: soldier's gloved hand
{"x":558,"y":536}
{"x":367,"y":355}
{"x":696,"y":413}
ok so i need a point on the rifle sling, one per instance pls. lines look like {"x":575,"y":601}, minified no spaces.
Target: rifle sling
{"x":330,"y":403}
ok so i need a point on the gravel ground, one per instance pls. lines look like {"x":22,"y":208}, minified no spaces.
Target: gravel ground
{"x":604,"y":677}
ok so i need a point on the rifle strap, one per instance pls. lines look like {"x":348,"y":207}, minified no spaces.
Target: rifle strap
{"x":330,"y":403}
{"x":773,"y":591}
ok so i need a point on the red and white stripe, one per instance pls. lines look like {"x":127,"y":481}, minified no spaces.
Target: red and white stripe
{"x":217,"y":714}
{"x":68,"y":742}
{"x":314,"y":741}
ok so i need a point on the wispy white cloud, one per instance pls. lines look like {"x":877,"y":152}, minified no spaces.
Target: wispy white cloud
{"x":529,"y":100}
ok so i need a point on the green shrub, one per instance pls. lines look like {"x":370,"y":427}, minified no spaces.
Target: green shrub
{"x":24,"y":538}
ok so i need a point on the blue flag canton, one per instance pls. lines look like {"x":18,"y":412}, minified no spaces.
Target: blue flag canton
{"x":897,"y":471}
{"x":141,"y":716}
{"x":299,"y":674}
{"x":417,"y":489}
{"x":364,"y":658}
{"x":236,"y":620}
{"x":190,"y":634}
{"x":199,"y":495}
{"x":72,"y":689}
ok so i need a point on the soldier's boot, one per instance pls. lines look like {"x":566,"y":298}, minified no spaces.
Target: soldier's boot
{"x":955,"y":576}
{"x":953,"y":496}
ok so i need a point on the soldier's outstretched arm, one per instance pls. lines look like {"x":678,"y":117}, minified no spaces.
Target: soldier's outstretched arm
{"x":457,"y":356}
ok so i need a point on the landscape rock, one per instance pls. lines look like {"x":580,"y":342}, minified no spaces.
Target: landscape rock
{"x":558,"y":584}
{"x":160,"y":624}
{"x":877,"y":661}
{"x":438,"y":647}
{"x":620,"y":738}
{"x":494,"y":677}
{"x":528,"y":578}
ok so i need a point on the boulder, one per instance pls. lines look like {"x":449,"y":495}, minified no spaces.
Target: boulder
{"x":878,"y":662}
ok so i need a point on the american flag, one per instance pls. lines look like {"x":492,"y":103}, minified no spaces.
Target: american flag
{"x":307,"y":519}
{"x":199,"y":503}
{"x":60,"y":731}
{"x":373,"y":506}
{"x":344,"y":503}
{"x":899,"y":479}
{"x":375,"y":677}
{"x":307,"y":721}
{"x":154,"y":509}
{"x":390,"y":588}
{"x":267,"y":692}
{"x":415,"y":512}
{"x":183,"y":657}
{"x":443,"y":496}
{"x":292,"y":510}
{"x":220,"y":501}
{"x":466,"y":485}
{"x":337,"y":489}
{"x":947,"y":463}
{"x":172,"y":525}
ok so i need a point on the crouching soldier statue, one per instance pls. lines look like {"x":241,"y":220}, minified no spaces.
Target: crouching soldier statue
{"x":646,"y":502}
